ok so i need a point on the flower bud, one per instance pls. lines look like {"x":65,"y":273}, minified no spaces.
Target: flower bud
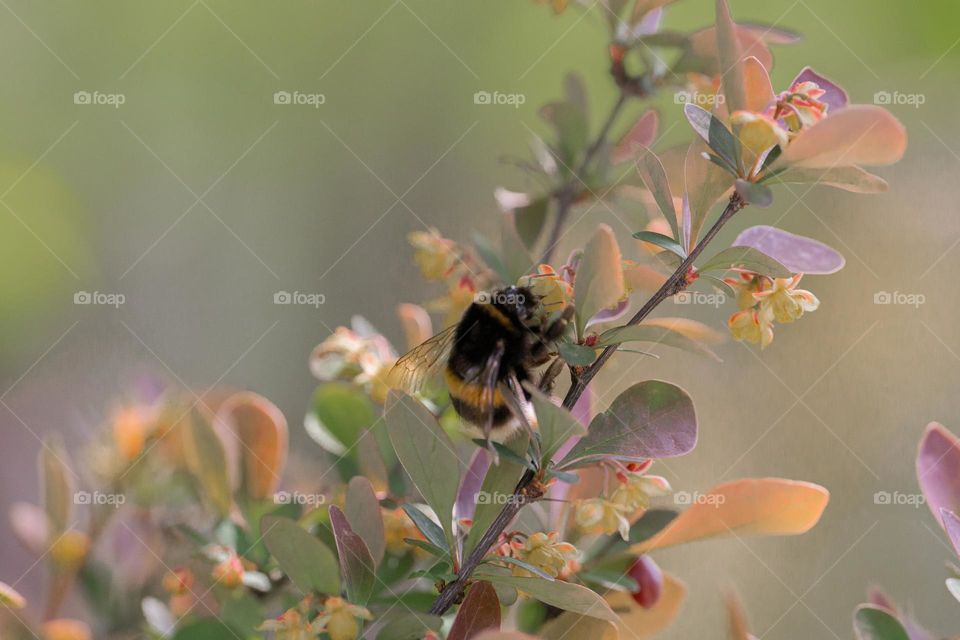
{"x":229,"y":572}
{"x":178,"y":582}
{"x":650,"y":580}
{"x":65,"y":629}
{"x":70,"y":549}
{"x":10,"y":598}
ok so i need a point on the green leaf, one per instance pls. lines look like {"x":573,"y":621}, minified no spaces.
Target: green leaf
{"x":706,"y":184}
{"x":722,"y":141}
{"x":526,"y":566}
{"x":432,"y":549}
{"x":205,"y":629}
{"x":426,"y":526}
{"x":363,"y":513}
{"x":500,"y":480}
{"x":409,"y":625}
{"x":570,"y":125}
{"x":650,"y":524}
{"x":57,"y":486}
{"x":599,"y":284}
{"x":754,"y":193}
{"x":655,"y":178}
{"x":356,"y":563}
{"x":874,"y":623}
{"x":555,"y":424}
{"x":750,"y":259}
{"x":563,"y":595}
{"x":652,"y":419}
{"x":491,"y":257}
{"x":578,"y":355}
{"x":700,"y":119}
{"x":309,"y":564}
{"x":207,"y":461}
{"x":609,"y":579}
{"x":662,"y":241}
{"x":426,"y":453}
{"x":655,"y":335}
{"x":529,"y":221}
{"x":339,"y":415}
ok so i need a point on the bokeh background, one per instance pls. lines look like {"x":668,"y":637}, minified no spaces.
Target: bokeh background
{"x":198,"y":198}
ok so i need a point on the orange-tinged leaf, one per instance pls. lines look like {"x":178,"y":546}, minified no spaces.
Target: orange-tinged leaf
{"x":599,"y":284}
{"x":753,"y":506}
{"x":756,"y":84}
{"x":689,"y":328}
{"x":416,"y":323}
{"x":858,"y":135}
{"x":642,"y":134}
{"x":852,"y":178}
{"x":703,"y":44}
{"x":572,"y":625}
{"x":738,"y":618}
{"x":637,"y":622}
{"x":262,"y":432}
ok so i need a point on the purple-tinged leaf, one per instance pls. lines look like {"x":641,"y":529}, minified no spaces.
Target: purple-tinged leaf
{"x":479,"y":612}
{"x":609,"y":315}
{"x":797,"y":253}
{"x":356,"y":563}
{"x":938,"y":469}
{"x":473,"y":477}
{"x":835,"y":95}
{"x":652,"y":419}
{"x":951,"y":524}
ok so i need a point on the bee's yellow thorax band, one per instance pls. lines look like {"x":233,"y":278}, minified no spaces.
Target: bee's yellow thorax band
{"x":499,"y":316}
{"x":471,"y":393}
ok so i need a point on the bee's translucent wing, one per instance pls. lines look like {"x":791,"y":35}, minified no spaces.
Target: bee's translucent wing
{"x":423,"y":362}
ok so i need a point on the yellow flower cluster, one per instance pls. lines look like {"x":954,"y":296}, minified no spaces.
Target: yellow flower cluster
{"x":764,"y":300}
{"x":546,"y":552}
{"x":364,"y":358}
{"x":442,"y":259}
{"x":628,"y":500}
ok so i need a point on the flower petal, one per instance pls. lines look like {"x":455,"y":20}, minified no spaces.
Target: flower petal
{"x":835,"y":95}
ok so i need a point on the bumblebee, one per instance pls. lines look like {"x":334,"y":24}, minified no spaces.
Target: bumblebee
{"x":487,"y":356}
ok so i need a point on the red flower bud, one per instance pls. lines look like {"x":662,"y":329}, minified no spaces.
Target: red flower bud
{"x":650,"y":579}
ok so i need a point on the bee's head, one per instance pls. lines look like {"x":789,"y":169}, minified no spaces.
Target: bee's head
{"x":516,"y":301}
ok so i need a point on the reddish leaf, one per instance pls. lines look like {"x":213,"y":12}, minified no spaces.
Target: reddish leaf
{"x":356,"y":564}
{"x":479,"y":612}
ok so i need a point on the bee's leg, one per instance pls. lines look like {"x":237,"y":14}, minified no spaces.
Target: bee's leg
{"x":549,"y":376}
{"x":556,"y":328}
{"x":489,"y":379}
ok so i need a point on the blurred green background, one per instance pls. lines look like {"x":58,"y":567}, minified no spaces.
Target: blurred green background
{"x":198,"y":198}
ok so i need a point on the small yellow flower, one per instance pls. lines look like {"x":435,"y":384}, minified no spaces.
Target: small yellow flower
{"x":434,"y":254}
{"x":634,"y":491}
{"x":293,"y":624}
{"x":554,"y":291}
{"x":70,"y":550}
{"x":340,"y":619}
{"x":178,"y":581}
{"x":397,"y":526}
{"x":229,"y":571}
{"x":786,"y":301}
{"x":543,"y":551}
{"x":758,"y":133}
{"x":598,"y":515}
{"x":800,"y":106}
{"x":752,"y":325}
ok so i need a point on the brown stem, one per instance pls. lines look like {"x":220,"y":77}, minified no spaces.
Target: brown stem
{"x":567,"y":195}
{"x":453,"y":591}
